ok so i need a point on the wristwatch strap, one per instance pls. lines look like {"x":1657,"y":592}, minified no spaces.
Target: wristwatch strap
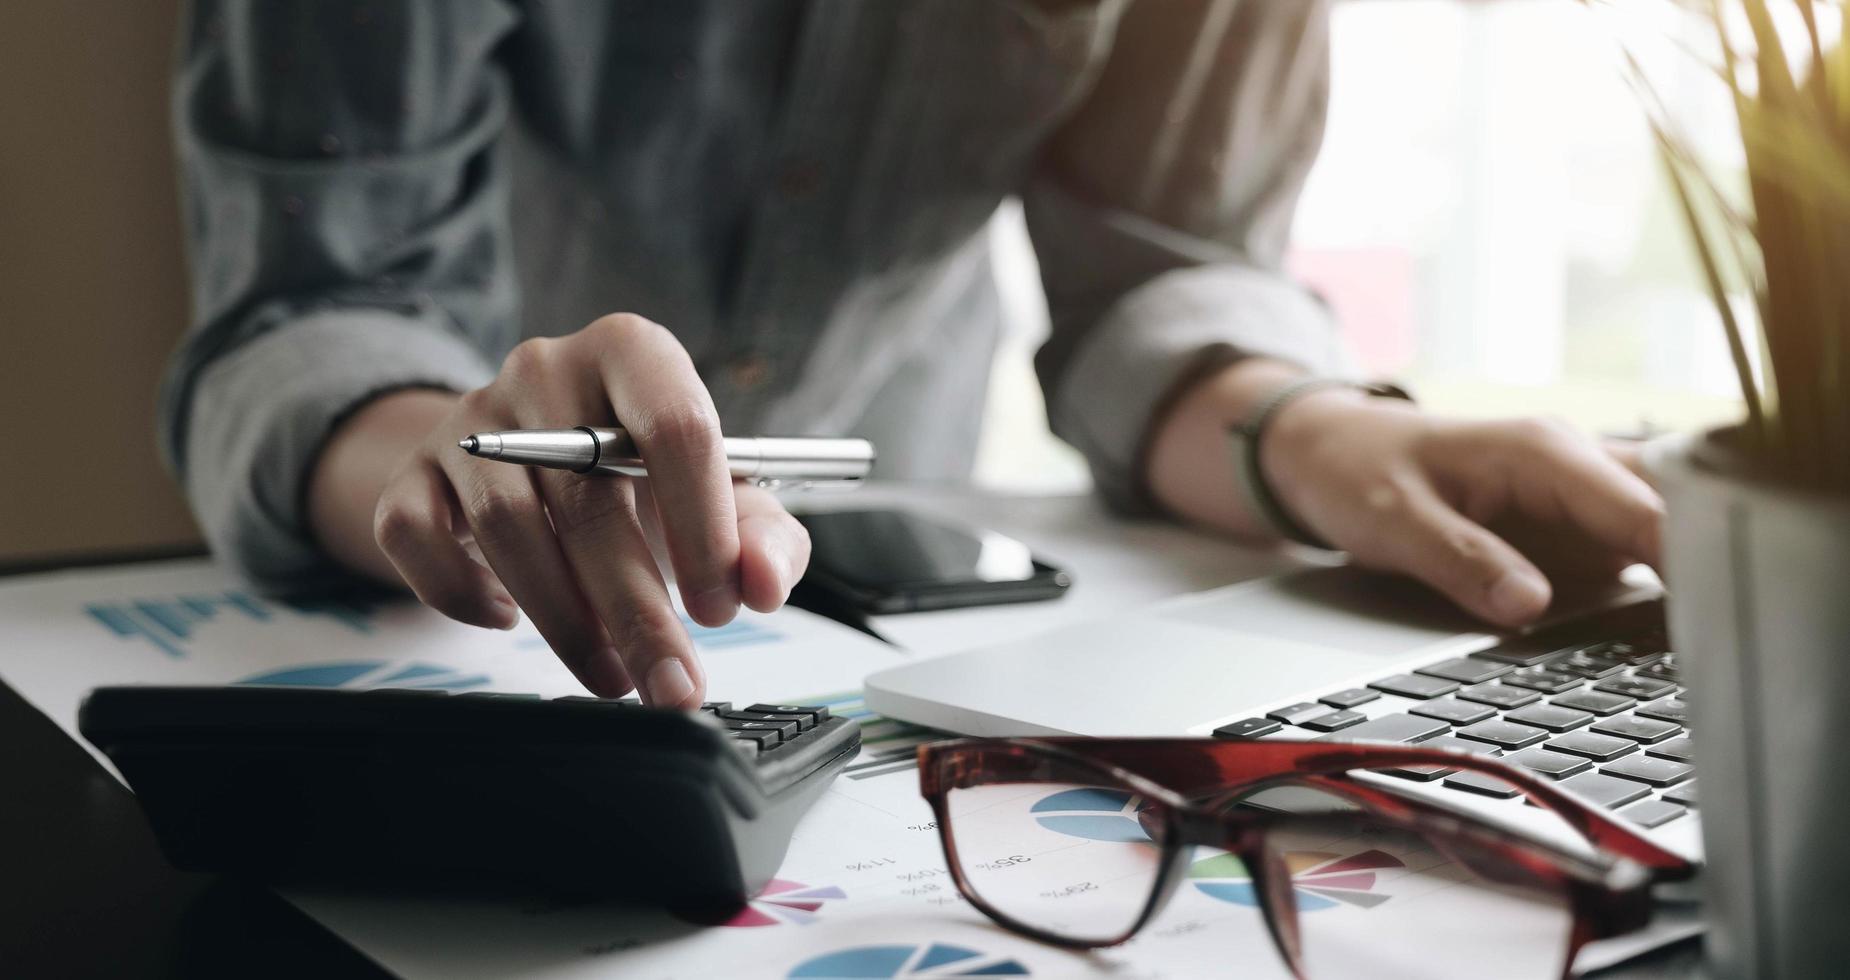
{"x":1248,"y":436}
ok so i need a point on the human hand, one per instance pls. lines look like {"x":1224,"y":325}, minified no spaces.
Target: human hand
{"x":574,"y":551}
{"x":1475,"y":509}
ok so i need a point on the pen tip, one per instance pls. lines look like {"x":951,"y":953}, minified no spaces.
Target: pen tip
{"x":471,"y":444}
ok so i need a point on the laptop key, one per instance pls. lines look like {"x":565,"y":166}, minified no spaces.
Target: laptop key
{"x":1652,"y":813}
{"x":1677,"y":749}
{"x":1334,"y":721}
{"x":1684,"y":793}
{"x":1465,"y":670}
{"x":1551,"y":717}
{"x":1500,"y":695}
{"x":1648,"y":769}
{"x":1554,"y":765}
{"x":1415,"y":686}
{"x":1606,"y":791}
{"x":1673,"y":710}
{"x":1589,"y":663}
{"x":1350,"y":697}
{"x":1426,"y":774}
{"x":1599,"y":748}
{"x":1598,"y":702}
{"x":1502,"y":734}
{"x":1293,"y":714}
{"x":1544,"y":680}
{"x":1647,"y":730}
{"x":1642,"y":688}
{"x":1472,"y":782}
{"x":1390,"y":728}
{"x":1453,"y":710}
{"x":1663,"y":670}
{"x":1249,"y":728}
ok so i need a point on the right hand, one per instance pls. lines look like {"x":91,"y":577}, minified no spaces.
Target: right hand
{"x":574,"y":551}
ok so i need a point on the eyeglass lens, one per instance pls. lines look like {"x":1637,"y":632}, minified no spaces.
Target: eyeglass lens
{"x":1082,"y":859}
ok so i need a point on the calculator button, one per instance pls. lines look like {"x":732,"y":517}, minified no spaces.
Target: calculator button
{"x":816,"y":713}
{"x":1499,"y":695}
{"x":1415,"y":686}
{"x":1465,"y":670}
{"x":1350,"y":697}
{"x":1599,"y":748}
{"x":1605,"y":791}
{"x":1503,"y":734}
{"x":803,"y":722}
{"x":1453,"y":710}
{"x":779,"y":729}
{"x":717,"y":707}
{"x":1249,"y":728}
{"x":760,"y":737}
{"x":1652,"y":813}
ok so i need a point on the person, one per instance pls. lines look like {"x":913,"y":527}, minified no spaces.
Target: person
{"x":771,"y":216}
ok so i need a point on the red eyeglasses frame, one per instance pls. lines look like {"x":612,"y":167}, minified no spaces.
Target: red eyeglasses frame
{"x":1197,"y":780}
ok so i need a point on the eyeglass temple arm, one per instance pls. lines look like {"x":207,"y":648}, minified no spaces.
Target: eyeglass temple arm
{"x":1195,"y":767}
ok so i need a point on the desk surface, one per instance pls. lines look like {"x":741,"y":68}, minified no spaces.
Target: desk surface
{"x":87,"y":892}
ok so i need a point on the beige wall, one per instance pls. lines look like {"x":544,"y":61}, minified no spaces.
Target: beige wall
{"x":92,"y":295}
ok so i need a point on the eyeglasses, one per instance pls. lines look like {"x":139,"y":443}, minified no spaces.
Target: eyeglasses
{"x":1081,"y":842}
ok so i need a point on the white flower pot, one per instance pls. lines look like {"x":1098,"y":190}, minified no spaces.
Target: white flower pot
{"x":1759,"y":579}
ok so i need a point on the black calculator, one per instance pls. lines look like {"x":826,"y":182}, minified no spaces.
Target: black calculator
{"x":574,"y":797}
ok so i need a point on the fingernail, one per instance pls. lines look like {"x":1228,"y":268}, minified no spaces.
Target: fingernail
{"x":507,"y":611}
{"x":779,"y":557}
{"x":668,"y":684}
{"x":1518,"y":596}
{"x":716,"y":606}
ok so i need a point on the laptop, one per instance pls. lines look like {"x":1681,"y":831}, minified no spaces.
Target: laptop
{"x":1591,"y":698}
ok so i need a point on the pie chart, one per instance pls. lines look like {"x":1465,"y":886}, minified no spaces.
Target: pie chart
{"x":370,"y":674}
{"x":1319,"y":879}
{"x":927,"y":960}
{"x":781,"y":903}
{"x":1091,"y":813}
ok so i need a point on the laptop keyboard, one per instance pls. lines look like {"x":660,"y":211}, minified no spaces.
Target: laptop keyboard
{"x":1594,"y":703}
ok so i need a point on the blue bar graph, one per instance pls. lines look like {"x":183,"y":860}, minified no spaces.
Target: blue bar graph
{"x":168,"y":623}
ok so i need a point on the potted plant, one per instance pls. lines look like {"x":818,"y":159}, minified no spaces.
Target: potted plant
{"x":1757,"y":537}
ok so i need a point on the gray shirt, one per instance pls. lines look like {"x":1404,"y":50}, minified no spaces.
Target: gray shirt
{"x":390,"y":194}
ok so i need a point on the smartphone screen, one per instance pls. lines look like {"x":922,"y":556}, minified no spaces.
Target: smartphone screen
{"x":889,"y":561}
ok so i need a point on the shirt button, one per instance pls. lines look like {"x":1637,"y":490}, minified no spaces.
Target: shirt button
{"x":749,"y":372}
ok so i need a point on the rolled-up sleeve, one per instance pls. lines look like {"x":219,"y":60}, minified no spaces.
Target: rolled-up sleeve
{"x":1161,"y":211}
{"x":347,"y":236}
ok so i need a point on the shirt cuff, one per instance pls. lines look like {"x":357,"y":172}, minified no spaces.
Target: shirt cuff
{"x":1161,"y":332}
{"x":260,"y":414}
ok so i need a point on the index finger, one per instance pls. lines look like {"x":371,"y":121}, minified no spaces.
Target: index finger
{"x":1557,"y":474}
{"x":660,"y":400}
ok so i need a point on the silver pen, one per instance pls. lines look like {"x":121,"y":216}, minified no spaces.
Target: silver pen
{"x":767,"y":461}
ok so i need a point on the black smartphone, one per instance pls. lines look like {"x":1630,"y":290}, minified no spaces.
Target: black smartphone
{"x":890,"y":561}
